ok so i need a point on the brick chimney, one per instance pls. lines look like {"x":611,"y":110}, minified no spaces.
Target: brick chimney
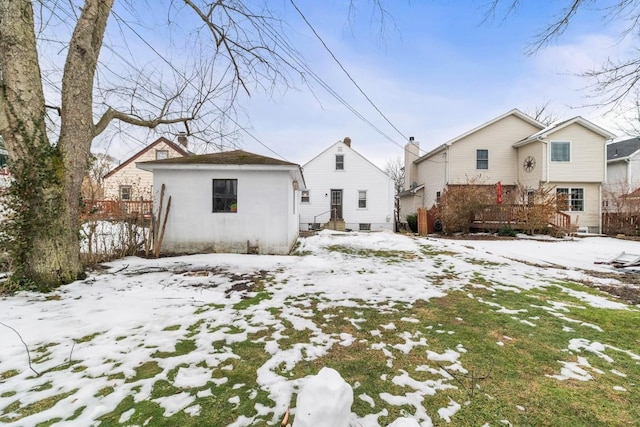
{"x":347,"y":141}
{"x":182,"y":139}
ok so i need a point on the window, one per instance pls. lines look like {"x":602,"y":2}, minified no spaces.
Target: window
{"x":362,"y":199}
{"x":438,"y":194}
{"x":162,"y":154}
{"x":365,"y":227}
{"x":482,"y":159}
{"x":125,"y":192}
{"x":570,"y":199}
{"x":225,"y":195}
{"x":339,"y":162}
{"x":305,"y":196}
{"x":560,"y":151}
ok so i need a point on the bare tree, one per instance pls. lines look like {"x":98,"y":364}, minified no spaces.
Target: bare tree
{"x":543,"y":113}
{"x":616,"y":79}
{"x":66,"y":77}
{"x":92,"y":185}
{"x":395,"y":170}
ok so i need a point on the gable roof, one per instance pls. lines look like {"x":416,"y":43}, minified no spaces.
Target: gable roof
{"x":544,"y":133}
{"x":176,"y":147}
{"x":622,"y":149}
{"x":350,"y":148}
{"x":226,"y":160}
{"x":514,"y":112}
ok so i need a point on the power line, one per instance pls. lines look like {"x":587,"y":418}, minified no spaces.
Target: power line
{"x":304,"y":18}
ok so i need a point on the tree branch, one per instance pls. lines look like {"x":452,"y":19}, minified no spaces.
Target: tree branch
{"x":112,"y":114}
{"x":25,"y":346}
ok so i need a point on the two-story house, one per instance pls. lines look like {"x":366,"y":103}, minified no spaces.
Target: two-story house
{"x":346,"y":191}
{"x":516,"y":150}
{"x":127,"y":182}
{"x":623,"y":175}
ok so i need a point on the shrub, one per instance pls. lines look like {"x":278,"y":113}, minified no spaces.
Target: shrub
{"x":412,"y":220}
{"x":506,"y":231}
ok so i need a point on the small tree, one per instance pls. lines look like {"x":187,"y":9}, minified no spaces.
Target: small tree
{"x":542,"y":205}
{"x":459,"y":203}
{"x":395,"y":170}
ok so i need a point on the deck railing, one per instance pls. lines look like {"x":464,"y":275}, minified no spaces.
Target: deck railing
{"x":514,"y":216}
{"x":116,"y":209}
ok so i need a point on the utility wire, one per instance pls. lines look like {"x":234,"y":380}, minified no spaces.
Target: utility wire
{"x":304,"y":18}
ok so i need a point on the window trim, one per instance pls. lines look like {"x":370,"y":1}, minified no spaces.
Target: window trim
{"x":340,"y":162}
{"x":166,"y":152}
{"x":130,"y":188}
{"x":307,"y":196}
{"x":362,"y":199}
{"x":479,"y":159}
{"x":232,"y":197}
{"x":364,"y":226}
{"x":551,"y":144}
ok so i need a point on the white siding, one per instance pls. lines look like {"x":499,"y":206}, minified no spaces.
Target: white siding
{"x":591,"y":216}
{"x":139,"y":180}
{"x":588,"y":154}
{"x":498,"y":138}
{"x":533,"y":178}
{"x":266,"y":217}
{"x":359,"y":174}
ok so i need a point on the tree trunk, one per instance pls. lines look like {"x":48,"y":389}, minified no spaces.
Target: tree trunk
{"x":48,"y":179}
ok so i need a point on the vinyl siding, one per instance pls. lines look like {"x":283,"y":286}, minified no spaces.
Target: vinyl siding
{"x":587,"y":162}
{"x":141,"y":181}
{"x":498,"y":138}
{"x":590,"y":217}
{"x":359,"y":174}
{"x":532,"y":179}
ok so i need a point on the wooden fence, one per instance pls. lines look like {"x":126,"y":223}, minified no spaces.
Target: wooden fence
{"x":116,"y":209}
{"x":621,"y":223}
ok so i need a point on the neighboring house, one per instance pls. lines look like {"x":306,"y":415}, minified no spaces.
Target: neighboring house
{"x":346,"y":191}
{"x":228,"y":202}
{"x":623,"y":174}
{"x":516,"y":150}
{"x":126,"y":182}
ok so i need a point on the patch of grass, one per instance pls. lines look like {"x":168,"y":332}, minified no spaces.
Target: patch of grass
{"x":43,"y":387}
{"x":49,"y":422}
{"x":87,"y":338}
{"x":248,"y":302}
{"x":53,"y":298}
{"x":182,"y":347}
{"x":8,"y":394}
{"x":76,"y":413}
{"x":172,"y":328}
{"x":432,"y":251}
{"x":104,"y":391}
{"x":35,"y":407}
{"x":8,"y":374}
{"x":389,"y":255}
{"x":147,"y":370}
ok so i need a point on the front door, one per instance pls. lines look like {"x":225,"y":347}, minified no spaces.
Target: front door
{"x":336,"y":204}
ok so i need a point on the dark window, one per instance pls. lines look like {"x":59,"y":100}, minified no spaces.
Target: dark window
{"x":225,"y":195}
{"x":305,"y":196}
{"x":482,"y":159}
{"x":577,"y":199}
{"x":365,"y":227}
{"x":125,"y":192}
{"x":531,"y":197}
{"x":162,"y":154}
{"x":438,"y":194}
{"x":339,"y":162}
{"x":362,"y":199}
{"x":560,"y":151}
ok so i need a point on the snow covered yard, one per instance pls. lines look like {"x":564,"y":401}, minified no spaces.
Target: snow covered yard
{"x":466,"y":332}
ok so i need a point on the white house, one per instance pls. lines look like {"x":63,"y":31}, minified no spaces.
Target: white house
{"x":623,"y":167}
{"x":232,"y":201}
{"x":126,"y":182}
{"x":346,"y":191}
{"x":516,"y":150}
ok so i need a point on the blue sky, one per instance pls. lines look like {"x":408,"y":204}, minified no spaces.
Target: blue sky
{"x":436,"y":69}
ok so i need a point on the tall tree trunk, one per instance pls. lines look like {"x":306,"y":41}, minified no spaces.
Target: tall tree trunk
{"x":48,"y":179}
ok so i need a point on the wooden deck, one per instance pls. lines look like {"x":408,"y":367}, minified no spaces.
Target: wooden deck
{"x":494,"y":217}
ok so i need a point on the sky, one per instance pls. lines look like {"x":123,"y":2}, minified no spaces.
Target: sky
{"x":435,"y":69}
{"x":122,"y":316}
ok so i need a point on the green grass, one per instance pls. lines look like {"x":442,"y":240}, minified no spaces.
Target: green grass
{"x":509,"y":341}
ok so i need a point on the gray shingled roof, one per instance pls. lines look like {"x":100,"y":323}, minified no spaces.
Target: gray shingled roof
{"x":622,"y":149}
{"x":235,"y":157}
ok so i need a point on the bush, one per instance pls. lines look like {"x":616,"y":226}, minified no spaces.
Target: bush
{"x":412,"y":220}
{"x":506,"y":231}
